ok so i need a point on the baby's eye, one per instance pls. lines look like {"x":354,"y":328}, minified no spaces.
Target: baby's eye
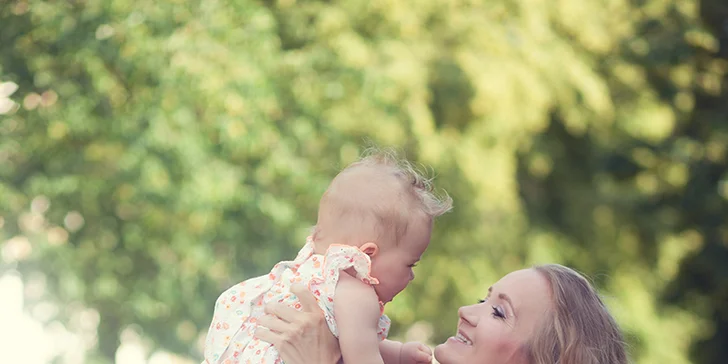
{"x":412,"y":265}
{"x":480,"y":300}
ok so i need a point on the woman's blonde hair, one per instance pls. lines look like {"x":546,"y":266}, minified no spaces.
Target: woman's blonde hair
{"x":579,"y":329}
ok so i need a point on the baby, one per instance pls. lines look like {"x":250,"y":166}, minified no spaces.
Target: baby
{"x":374,"y":224}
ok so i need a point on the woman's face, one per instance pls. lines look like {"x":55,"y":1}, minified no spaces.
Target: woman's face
{"x":492,"y":332}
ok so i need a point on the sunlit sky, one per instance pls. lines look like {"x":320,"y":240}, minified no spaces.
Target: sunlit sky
{"x":24,"y":339}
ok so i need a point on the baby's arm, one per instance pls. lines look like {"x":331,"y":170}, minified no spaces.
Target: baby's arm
{"x":412,"y":352}
{"x":390,"y":351}
{"x":356,"y":309}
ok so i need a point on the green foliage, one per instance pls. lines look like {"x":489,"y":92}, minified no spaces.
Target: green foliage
{"x":158,"y":152}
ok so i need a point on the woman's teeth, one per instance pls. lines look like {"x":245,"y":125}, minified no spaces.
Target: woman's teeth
{"x":463,"y":339}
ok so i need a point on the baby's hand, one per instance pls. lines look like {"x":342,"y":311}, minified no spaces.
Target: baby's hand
{"x":415,"y":353}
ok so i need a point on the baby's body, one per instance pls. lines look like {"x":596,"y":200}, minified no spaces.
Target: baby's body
{"x":374,"y":224}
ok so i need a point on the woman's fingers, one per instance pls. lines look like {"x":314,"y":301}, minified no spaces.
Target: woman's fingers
{"x":282,"y":311}
{"x":290,"y":314}
{"x":273,"y":323}
{"x":307,"y":299}
{"x":300,"y":336}
{"x":263,"y":333}
{"x":273,"y":330}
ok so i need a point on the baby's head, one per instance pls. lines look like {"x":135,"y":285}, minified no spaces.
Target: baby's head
{"x":382,"y":205}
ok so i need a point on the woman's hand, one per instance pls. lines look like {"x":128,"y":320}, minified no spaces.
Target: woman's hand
{"x":301,"y":337}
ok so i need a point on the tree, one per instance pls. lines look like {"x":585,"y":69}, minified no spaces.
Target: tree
{"x":158,"y":153}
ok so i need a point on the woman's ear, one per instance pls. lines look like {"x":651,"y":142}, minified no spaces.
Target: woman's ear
{"x":369,"y":248}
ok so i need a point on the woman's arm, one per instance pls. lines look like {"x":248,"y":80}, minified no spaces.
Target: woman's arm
{"x":357,"y":312}
{"x":301,"y":337}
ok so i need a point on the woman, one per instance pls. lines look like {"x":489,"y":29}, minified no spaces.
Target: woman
{"x":544,"y":315}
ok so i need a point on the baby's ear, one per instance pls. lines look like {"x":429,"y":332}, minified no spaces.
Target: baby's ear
{"x":369,"y":248}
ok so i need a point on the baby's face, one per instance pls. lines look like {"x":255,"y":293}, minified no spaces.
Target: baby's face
{"x":393,"y":265}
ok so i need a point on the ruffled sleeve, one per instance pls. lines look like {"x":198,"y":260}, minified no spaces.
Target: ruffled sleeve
{"x":339,"y":258}
{"x":343,"y":257}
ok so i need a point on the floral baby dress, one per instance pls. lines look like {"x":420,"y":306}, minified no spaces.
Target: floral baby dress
{"x":230,"y":337}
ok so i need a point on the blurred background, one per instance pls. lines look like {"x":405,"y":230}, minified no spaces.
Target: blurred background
{"x":154,"y":153}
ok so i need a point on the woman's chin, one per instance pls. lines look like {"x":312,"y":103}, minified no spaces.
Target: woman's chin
{"x":439,"y":351}
{"x":451,"y":351}
{"x":444,"y":352}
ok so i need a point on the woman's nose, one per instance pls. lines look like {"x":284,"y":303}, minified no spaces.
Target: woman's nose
{"x":466,"y":314}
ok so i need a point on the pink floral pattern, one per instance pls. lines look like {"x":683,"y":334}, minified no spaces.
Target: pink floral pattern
{"x":230,"y":337}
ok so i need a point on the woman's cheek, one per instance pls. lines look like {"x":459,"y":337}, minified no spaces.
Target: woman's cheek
{"x":509,"y":349}
{"x":492,"y":341}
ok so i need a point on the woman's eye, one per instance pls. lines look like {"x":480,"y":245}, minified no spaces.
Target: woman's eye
{"x":480,"y":300}
{"x":498,"y":313}
{"x":413,"y":265}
